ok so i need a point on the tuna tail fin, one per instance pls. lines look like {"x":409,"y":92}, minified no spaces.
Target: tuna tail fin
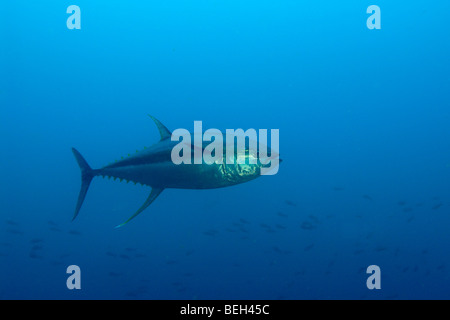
{"x":87,"y":174}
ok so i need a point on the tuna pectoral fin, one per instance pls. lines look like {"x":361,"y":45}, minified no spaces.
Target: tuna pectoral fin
{"x":153,"y":195}
{"x":86,"y":177}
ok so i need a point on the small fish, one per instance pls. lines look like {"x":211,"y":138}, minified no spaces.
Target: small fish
{"x":14,"y":231}
{"x":131,"y":294}
{"x":177,"y":283}
{"x":290,"y":203}
{"x":309,"y":247}
{"x":278,"y":250}
{"x":36,"y":240}
{"x":367,"y":197}
{"x":437,"y":206}
{"x":307,"y":225}
{"x":11,"y":222}
{"x":114,"y":274}
{"x":142,"y":289}
{"x":380,"y":248}
{"x":243,"y":230}
{"x":314,"y":218}
{"x":281,"y":214}
{"x":33,"y":255}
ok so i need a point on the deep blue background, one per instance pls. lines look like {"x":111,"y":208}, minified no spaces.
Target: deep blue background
{"x":364,"y":134}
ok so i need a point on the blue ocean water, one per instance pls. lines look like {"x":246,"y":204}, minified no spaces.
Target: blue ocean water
{"x":364,"y":137}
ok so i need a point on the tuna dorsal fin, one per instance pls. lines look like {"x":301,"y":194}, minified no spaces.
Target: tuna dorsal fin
{"x":163,"y":131}
{"x":153,"y":195}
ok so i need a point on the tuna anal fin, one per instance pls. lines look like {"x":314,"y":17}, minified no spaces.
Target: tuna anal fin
{"x":153,"y":195}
